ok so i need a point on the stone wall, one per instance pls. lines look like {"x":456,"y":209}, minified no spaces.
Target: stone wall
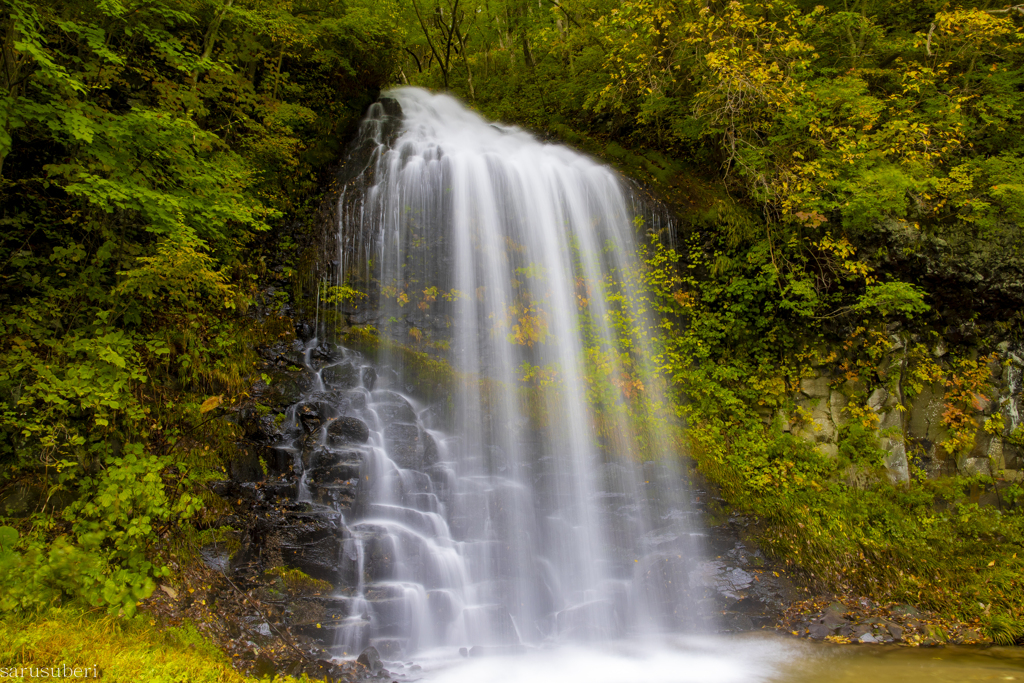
{"x":907,"y":416}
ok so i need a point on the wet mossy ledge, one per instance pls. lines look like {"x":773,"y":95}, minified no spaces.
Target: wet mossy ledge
{"x":421,"y":373}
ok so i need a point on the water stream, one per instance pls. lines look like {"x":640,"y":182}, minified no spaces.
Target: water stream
{"x":539,"y":499}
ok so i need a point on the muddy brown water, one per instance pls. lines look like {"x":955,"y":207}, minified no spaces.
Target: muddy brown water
{"x":858,"y":664}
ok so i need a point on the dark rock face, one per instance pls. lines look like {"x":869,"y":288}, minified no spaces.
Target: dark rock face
{"x":739,"y":583}
{"x":312,"y":544}
{"x":348,"y":430}
{"x":335,"y":472}
{"x":308,"y":415}
{"x":287,"y":389}
{"x":403,"y":443}
{"x":341,"y":376}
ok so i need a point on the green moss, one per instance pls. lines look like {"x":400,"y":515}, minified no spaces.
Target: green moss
{"x":297,"y":582}
{"x":121,"y":650}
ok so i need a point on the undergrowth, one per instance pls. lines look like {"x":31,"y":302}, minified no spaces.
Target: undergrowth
{"x":119,"y":650}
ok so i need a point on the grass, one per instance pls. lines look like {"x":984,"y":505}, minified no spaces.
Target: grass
{"x":120,"y":649}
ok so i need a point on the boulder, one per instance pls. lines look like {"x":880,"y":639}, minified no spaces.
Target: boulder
{"x":348,"y":430}
{"x":341,"y":376}
{"x":390,"y":648}
{"x":287,"y":388}
{"x":311,"y":543}
{"x":815,"y":387}
{"x":370,"y":658}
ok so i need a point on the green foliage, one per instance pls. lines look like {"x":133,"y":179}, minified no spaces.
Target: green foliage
{"x":729,"y":352}
{"x":145,"y":151}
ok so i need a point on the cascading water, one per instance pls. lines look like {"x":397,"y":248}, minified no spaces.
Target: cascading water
{"x":540,"y":498}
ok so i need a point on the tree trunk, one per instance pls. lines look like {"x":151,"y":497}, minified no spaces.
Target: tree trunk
{"x":211,"y":37}
{"x":11,"y":63}
{"x":527,"y":53}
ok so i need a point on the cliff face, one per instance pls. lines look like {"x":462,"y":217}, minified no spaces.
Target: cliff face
{"x":946,"y":417}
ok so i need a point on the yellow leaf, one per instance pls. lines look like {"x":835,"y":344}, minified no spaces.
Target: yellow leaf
{"x":211,"y":403}
{"x":992,"y":563}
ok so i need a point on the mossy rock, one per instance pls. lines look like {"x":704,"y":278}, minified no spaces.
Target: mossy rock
{"x":297,"y":582}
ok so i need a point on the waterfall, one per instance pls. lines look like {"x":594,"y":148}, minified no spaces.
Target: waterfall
{"x":538,"y":496}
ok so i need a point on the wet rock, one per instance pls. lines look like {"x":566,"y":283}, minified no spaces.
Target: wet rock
{"x":390,"y":648}
{"x":395,"y":412}
{"x":834,"y":615}
{"x":971,"y":636}
{"x":287,"y":389}
{"x":391,"y":616}
{"x":256,"y":427}
{"x":308,"y":415}
{"x":378,"y":554}
{"x":312,"y":545}
{"x":369,"y":377}
{"x":327,"y":352}
{"x":324,"y":632}
{"x":216,"y":556}
{"x":279,"y":490}
{"x":21,"y":501}
{"x":404,"y":445}
{"x":858,"y":630}
{"x":430,"y":449}
{"x":736,"y":623}
{"x":335,"y":472}
{"x":370,"y":658}
{"x":341,"y":376}
{"x":819,"y":631}
{"x":244,"y":464}
{"x":348,"y":430}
